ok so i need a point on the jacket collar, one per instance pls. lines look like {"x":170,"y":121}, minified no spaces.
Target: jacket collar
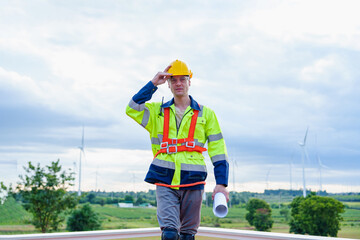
{"x":193,"y":104}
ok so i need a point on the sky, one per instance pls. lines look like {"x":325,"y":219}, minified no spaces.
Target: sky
{"x":269,"y":69}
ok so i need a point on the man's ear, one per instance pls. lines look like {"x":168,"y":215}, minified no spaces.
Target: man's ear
{"x":189,"y":82}
{"x":168,"y":83}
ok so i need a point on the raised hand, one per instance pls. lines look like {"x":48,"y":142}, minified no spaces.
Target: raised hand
{"x":161,"y":77}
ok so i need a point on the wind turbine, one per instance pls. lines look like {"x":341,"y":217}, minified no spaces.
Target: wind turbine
{"x":134,"y":179}
{"x":234,"y":163}
{"x":82,"y":153}
{"x":96,"y":178}
{"x":290,"y":166}
{"x":304,"y":155}
{"x":74,"y":169}
{"x":267,"y":178}
{"x":320,"y":165}
{"x":97,"y":174}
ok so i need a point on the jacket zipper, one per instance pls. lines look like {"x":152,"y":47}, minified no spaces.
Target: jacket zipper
{"x":177,"y":129}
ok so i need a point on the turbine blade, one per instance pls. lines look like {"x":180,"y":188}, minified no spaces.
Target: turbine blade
{"x":307,"y":129}
{"x":306,"y":156}
{"x":82,"y":138}
{"x":83,"y":152}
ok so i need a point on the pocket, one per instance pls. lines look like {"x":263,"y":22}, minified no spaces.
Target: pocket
{"x":192,"y":173}
{"x":159,"y":174}
{"x":160,"y":171}
{"x":199,"y":176}
{"x":200,"y":129}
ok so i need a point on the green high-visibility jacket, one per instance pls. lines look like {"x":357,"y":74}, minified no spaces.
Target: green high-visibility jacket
{"x":181,"y":167}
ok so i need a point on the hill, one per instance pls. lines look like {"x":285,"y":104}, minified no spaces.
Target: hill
{"x":13,"y":213}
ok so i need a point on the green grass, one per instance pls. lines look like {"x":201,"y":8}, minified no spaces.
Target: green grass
{"x":15,"y":220}
{"x":12,"y":213}
{"x":125,"y":213}
{"x":121,"y":218}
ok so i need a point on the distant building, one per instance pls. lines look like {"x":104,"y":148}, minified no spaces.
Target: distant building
{"x":146,"y":205}
{"x":125,"y":205}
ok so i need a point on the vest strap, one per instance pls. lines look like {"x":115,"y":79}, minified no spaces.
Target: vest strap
{"x":181,"y":185}
{"x":170,"y":146}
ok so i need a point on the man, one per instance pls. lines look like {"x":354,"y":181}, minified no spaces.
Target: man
{"x":179,"y":130}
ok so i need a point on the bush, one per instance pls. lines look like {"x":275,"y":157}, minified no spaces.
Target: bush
{"x":316,"y":215}
{"x":259,"y":214}
{"x":83,"y":219}
{"x":262,"y":219}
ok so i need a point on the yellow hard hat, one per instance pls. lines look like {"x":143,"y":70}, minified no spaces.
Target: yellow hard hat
{"x":179,"y":68}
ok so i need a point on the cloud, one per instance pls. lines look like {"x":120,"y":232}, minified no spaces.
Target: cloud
{"x":327,"y":23}
{"x":268,"y":70}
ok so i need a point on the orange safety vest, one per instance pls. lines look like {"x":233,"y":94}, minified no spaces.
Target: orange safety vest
{"x":169,"y":145}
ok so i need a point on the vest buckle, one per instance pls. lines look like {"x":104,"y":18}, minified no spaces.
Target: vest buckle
{"x":190,"y":144}
{"x":164,"y":145}
{"x":172,"y":149}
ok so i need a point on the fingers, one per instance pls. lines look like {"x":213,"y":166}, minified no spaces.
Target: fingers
{"x":227,"y":196}
{"x":161,"y":77}
{"x":167,"y":68}
{"x":164,"y":74}
{"x":222,"y":189}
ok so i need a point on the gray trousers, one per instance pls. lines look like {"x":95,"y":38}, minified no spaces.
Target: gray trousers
{"x":179,"y":209}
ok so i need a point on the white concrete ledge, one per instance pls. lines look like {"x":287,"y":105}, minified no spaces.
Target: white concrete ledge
{"x":103,"y":234}
{"x":148,"y":232}
{"x":248,"y":235}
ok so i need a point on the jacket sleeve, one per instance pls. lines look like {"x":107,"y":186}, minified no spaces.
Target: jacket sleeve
{"x":217,"y":149}
{"x":140,"y":111}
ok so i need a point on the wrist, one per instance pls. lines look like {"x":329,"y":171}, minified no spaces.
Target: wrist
{"x":153,"y":82}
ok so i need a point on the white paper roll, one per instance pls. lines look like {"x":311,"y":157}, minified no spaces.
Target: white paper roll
{"x":220,"y":207}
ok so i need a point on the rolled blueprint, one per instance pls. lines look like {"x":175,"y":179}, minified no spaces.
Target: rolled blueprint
{"x":220,"y":207}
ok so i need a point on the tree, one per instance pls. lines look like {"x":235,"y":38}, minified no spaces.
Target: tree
{"x":45,"y":195}
{"x":83,"y":219}
{"x":91,"y":197}
{"x":259,"y":214}
{"x":316,"y":215}
{"x":285,"y":212}
{"x":3,"y":193}
{"x":129,"y":198}
{"x":139,"y":201}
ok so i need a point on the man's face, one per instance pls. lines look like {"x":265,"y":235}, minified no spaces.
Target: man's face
{"x":179,"y":85}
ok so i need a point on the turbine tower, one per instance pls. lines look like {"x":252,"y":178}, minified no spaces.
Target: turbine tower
{"x":96,"y":178}
{"x":320,"y":165}
{"x":320,"y":175}
{"x":82,"y":153}
{"x":290,"y":166}
{"x":267,"y":178}
{"x":74,"y":169}
{"x":234,"y":163}
{"x":304,"y":155}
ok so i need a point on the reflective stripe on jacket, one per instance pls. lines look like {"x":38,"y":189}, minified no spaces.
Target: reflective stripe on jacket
{"x":181,"y":167}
